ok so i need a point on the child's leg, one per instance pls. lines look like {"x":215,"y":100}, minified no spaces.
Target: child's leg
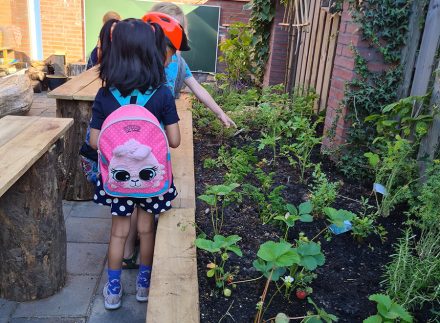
{"x":129,"y":250}
{"x":146,"y":235}
{"x":119,"y":233}
{"x":145,"y":226}
{"x":113,"y":290}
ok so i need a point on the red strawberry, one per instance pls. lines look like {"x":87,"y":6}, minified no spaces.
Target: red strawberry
{"x":301,"y":294}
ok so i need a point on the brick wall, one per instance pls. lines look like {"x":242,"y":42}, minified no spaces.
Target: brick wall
{"x":14,"y":25}
{"x":343,"y":72}
{"x":62,"y":28}
{"x":276,"y":65}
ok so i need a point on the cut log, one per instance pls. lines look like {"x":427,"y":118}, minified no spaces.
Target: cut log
{"x":33,"y":235}
{"x":16,"y":94}
{"x":77,"y":186}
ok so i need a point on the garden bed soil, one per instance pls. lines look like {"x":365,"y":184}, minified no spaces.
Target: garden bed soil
{"x":352,"y":270}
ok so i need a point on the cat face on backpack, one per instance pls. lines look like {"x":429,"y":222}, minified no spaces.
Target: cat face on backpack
{"x":133,"y":165}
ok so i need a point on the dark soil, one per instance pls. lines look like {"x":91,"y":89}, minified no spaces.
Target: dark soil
{"x":352,"y":270}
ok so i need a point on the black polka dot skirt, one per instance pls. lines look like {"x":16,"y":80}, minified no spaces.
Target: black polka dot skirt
{"x":124,"y":206}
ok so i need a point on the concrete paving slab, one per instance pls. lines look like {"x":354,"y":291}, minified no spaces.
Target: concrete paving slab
{"x":6,"y":310}
{"x":56,"y":319}
{"x":90,"y":209}
{"x":131,"y":311}
{"x":88,"y":229}
{"x":86,"y":258}
{"x":67,"y":208}
{"x":72,"y":301}
{"x":128,"y":279}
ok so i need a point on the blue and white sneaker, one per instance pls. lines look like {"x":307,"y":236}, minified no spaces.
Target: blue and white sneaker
{"x":112,"y":301}
{"x":142,"y":291}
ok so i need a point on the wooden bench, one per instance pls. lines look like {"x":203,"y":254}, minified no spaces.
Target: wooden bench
{"x":174,"y":290}
{"x":32,"y":234}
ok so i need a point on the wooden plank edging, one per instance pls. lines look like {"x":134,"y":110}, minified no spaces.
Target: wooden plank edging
{"x":174,"y":290}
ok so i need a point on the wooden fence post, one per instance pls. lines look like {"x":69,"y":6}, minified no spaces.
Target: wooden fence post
{"x":430,"y":143}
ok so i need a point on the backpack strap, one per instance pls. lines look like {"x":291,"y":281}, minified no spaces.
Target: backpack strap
{"x":180,"y":78}
{"x":141,"y":98}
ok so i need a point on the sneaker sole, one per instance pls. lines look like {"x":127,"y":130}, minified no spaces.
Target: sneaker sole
{"x":141,"y":299}
{"x":108,"y":306}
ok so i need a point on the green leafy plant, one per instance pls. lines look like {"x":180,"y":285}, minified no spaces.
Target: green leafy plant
{"x":218,"y":197}
{"x":412,"y":277}
{"x":394,"y":170}
{"x":322,"y":192}
{"x":219,"y":248}
{"x":236,"y":55}
{"x":403,"y":118}
{"x":302,"y":213}
{"x":321,"y":316}
{"x":338,"y":217}
{"x":299,"y":152}
{"x":388,"y":311}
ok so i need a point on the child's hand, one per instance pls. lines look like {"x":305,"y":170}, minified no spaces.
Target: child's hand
{"x":227,"y":122}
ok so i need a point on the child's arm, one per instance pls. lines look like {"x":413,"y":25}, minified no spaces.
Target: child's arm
{"x":173,"y":135}
{"x":94,"y":134}
{"x":204,"y":97}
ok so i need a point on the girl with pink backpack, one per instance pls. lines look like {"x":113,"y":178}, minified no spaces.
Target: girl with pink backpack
{"x":134,"y":160}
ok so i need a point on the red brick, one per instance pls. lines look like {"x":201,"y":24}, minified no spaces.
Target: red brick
{"x":343,"y":74}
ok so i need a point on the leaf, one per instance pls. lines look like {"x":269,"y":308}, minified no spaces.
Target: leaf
{"x":306,"y":218}
{"x":401,"y":312}
{"x":280,"y":253}
{"x":266,"y":268}
{"x":373,"y":319}
{"x":235,"y":250}
{"x":373,"y":159}
{"x":313,"y":319}
{"x":209,"y":199}
{"x":210,"y":273}
{"x":381,"y":299}
{"x":305,"y":208}
{"x":207,"y":245}
{"x":309,"y":263}
{"x":309,"y":248}
{"x":292,"y":209}
{"x":232,"y":239}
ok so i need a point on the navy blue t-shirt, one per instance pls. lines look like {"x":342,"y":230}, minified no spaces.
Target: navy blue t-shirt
{"x":161,"y":105}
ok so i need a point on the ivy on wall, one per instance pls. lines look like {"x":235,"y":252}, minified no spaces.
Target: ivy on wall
{"x":384,"y":24}
{"x":263,"y":13}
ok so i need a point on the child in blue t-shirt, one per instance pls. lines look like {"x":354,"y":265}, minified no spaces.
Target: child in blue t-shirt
{"x":134,"y":65}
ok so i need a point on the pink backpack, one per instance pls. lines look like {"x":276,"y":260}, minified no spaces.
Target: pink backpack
{"x":134,"y":156}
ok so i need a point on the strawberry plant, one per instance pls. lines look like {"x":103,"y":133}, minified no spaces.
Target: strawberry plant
{"x":219,"y":248}
{"x":302,"y":213}
{"x":388,"y":311}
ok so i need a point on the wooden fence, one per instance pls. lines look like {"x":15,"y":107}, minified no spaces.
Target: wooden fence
{"x":312,"y":47}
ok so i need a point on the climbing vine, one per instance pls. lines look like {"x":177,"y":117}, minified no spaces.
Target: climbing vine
{"x":263,"y":12}
{"x":384,"y":24}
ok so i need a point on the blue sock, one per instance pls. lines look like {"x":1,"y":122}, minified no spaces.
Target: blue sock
{"x":144,"y":276}
{"x":114,"y":280}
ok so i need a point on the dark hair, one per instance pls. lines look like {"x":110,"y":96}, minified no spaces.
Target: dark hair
{"x":134,"y":60}
{"x":161,"y":41}
{"x":105,"y":39}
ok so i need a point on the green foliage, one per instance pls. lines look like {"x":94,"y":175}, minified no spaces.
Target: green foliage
{"x":388,"y":311}
{"x":337,"y":217}
{"x":402,"y":118}
{"x":299,"y":152}
{"x":219,"y":248}
{"x":322,"y":192}
{"x":302,"y":213}
{"x":321,"y":317}
{"x":267,"y":197}
{"x":274,"y":258}
{"x":217,"y":197}
{"x":384,"y":25}
{"x":236,"y":55}
{"x":238,"y":163}
{"x":412,"y":277}
{"x":426,"y":206}
{"x":395,"y":170}
{"x":311,"y":255}
{"x":263,"y":12}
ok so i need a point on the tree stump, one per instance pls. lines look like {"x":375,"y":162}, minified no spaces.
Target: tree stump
{"x":16,"y":94}
{"x":33,"y":234}
{"x":77,"y":187}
